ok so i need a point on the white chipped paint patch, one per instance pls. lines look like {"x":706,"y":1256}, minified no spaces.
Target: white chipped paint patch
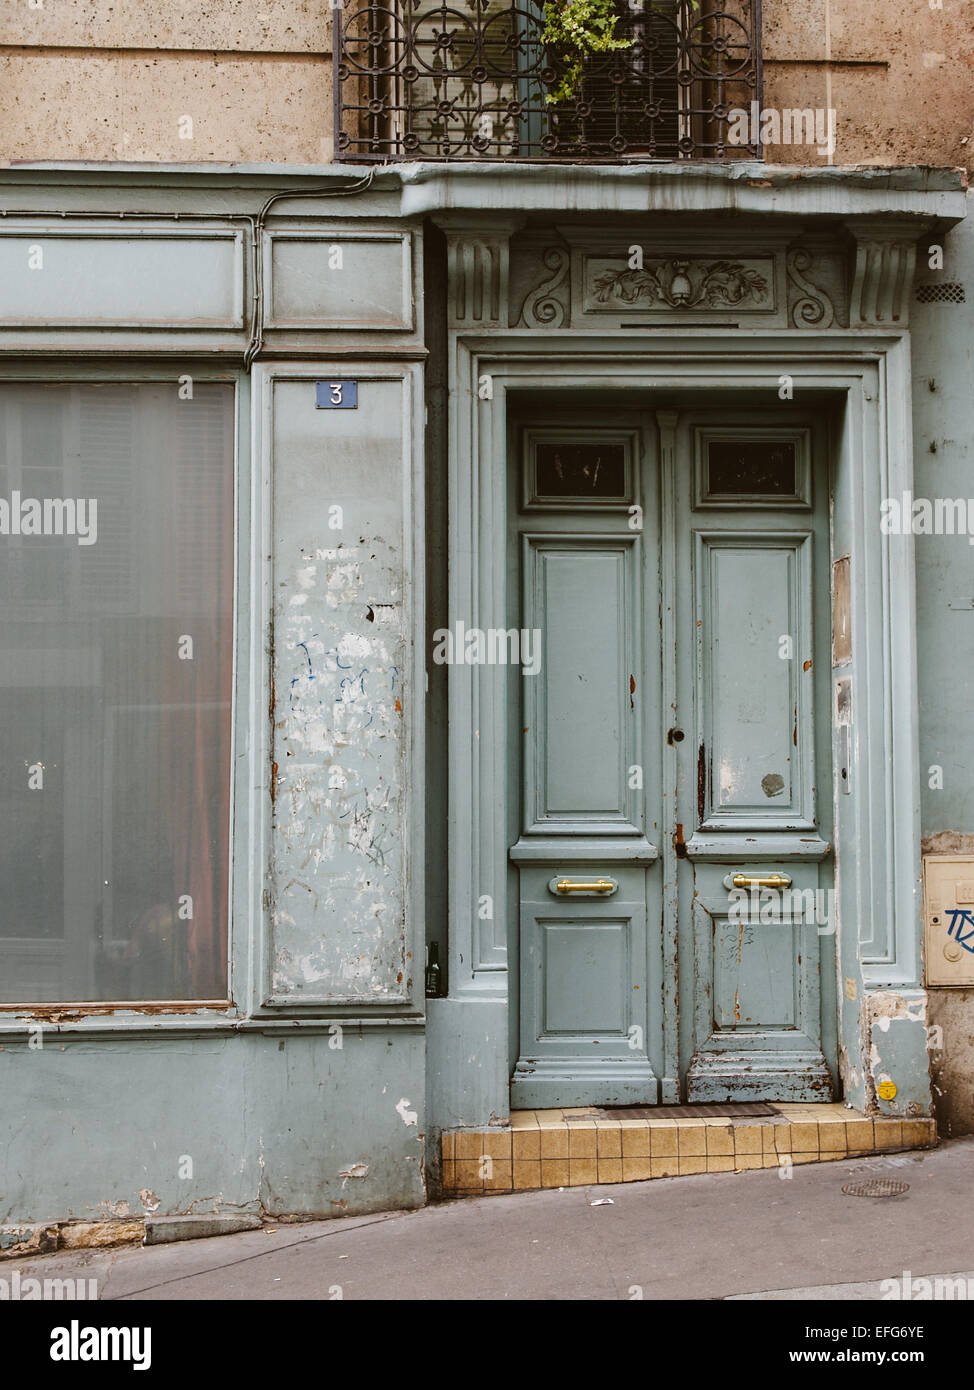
{"x":409,"y":1117}
{"x":354,"y":647}
{"x":354,"y":1170}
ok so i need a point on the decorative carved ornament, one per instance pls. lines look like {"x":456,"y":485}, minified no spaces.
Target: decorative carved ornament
{"x":668,"y":284}
{"x":547,"y":306}
{"x":810,"y":307}
{"x":682,"y":284}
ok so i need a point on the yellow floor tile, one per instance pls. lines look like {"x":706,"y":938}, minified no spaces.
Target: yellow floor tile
{"x":582,"y":1172}
{"x":610,"y":1169}
{"x":635,"y":1142}
{"x":468,"y":1144}
{"x":747,"y":1139}
{"x":888,"y":1133}
{"x":469,"y":1175}
{"x":524,"y":1119}
{"x":496,"y":1145}
{"x":526,"y":1144}
{"x":663,"y":1142}
{"x":549,"y":1119}
{"x":499,"y":1177}
{"x":446,"y":1146}
{"x":720,"y":1139}
{"x":527,"y":1175}
{"x":692,"y":1163}
{"x":918,"y":1133}
{"x":554,"y":1172}
{"x":859,"y":1134}
{"x":582,"y":1143}
{"x":667,"y":1167}
{"x":831,"y":1139}
{"x":803,"y":1138}
{"x":609,"y":1143}
{"x":554,"y":1143}
{"x":691,"y":1141}
{"x":637,"y":1169}
{"x":720,"y":1163}
{"x":449,"y":1176}
{"x":745,"y":1162}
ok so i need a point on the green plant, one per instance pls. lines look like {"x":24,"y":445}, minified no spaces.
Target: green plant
{"x":574,"y":29}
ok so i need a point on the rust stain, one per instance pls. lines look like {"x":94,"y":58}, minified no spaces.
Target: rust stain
{"x":632,"y":691}
{"x":701,"y":781}
{"x":273,"y":783}
{"x":71,"y":1013}
{"x":807,"y":666}
{"x":679,"y":844}
{"x":737,"y":1007}
{"x":398,"y":707}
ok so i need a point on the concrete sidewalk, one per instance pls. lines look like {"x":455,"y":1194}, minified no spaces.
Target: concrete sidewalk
{"x":708,"y":1237}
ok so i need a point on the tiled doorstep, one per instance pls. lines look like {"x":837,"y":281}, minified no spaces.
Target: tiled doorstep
{"x":572,"y":1148}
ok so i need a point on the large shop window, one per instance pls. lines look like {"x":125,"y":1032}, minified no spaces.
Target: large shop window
{"x":116,"y":647}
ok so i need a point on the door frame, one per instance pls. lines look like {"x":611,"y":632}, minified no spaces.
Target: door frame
{"x":876,"y":827}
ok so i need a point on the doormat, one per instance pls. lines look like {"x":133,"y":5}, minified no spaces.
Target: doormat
{"x":743,"y":1110}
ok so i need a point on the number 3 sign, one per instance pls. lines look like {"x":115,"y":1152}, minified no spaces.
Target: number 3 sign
{"x":336,"y":395}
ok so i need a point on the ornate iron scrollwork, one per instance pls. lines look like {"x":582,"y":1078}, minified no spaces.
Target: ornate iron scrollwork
{"x":473,"y":79}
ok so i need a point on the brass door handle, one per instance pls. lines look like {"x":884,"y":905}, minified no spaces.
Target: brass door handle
{"x":754,"y":881}
{"x":601,"y":885}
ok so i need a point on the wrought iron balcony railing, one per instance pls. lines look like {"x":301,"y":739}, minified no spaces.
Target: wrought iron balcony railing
{"x":475,"y":79}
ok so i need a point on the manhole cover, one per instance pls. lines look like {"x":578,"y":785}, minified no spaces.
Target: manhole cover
{"x":876,"y":1187}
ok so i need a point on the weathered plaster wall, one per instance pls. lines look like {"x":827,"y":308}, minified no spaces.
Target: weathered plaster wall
{"x":269,"y":1124}
{"x":943,"y":337}
{"x":103,"y":81}
{"x":898,"y":77}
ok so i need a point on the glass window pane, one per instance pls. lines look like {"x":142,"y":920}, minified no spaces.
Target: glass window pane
{"x":749,"y":467}
{"x":581,"y":470}
{"x":116,"y":632}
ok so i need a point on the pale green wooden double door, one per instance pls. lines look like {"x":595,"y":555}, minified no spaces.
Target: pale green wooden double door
{"x":671,"y":734}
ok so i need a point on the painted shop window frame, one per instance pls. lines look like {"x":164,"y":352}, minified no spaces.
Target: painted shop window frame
{"x":269,"y":1008}
{"x":94,"y":1017}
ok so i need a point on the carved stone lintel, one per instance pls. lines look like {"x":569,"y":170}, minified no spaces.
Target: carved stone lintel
{"x":811,"y":307}
{"x":547,"y":305}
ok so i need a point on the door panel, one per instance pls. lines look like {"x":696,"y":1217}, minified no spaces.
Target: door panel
{"x":581,"y":596}
{"x":584,"y":989}
{"x":590,"y":961}
{"x":754,"y":632}
{"x":762,"y":779}
{"x":729,"y":552}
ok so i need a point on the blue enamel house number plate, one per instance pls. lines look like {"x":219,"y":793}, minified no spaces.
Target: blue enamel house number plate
{"x":336,"y":395}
